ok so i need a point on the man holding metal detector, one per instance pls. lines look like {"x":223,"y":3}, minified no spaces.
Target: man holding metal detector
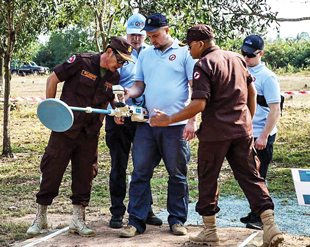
{"x":88,"y":81}
{"x":163,"y":74}
{"x":120,"y":133}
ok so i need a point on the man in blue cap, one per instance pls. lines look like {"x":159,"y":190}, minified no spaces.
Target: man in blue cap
{"x":120,"y":132}
{"x":267,"y":112}
{"x":164,"y":73}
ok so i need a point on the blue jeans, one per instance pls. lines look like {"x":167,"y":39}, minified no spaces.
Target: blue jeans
{"x":151,"y":144}
{"x":265,"y":156}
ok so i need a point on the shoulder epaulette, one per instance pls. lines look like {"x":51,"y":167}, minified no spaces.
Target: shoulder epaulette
{"x":182,"y":44}
{"x":86,"y":55}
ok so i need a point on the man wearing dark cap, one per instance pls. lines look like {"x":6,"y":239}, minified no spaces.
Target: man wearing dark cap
{"x":120,"y":132}
{"x":224,"y":92}
{"x":163,"y":74}
{"x":88,"y":81}
{"x":267,"y":112}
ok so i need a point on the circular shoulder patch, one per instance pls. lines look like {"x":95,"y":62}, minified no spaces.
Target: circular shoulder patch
{"x":196,"y":75}
{"x":172,"y":57}
{"x":71,"y":59}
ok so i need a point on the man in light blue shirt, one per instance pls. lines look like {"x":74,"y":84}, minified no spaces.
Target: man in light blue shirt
{"x":267,"y":111}
{"x":120,"y":132}
{"x":164,"y":72}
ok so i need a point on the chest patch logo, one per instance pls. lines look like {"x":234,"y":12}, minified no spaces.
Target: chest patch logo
{"x":172,"y":57}
{"x":71,"y":59}
{"x":196,"y":75}
{"x":89,"y":75}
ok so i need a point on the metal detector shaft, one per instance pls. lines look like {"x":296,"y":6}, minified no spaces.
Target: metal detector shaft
{"x":90,"y":110}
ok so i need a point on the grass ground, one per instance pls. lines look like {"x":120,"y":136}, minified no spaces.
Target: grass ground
{"x":19,"y":177}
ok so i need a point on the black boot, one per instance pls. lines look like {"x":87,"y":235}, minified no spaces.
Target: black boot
{"x":247,"y":218}
{"x":116,"y":222}
{"x":255,"y":222}
{"x":152,"y":219}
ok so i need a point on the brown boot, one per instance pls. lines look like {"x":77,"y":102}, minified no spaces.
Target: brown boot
{"x":272,"y":235}
{"x":209,"y":235}
{"x":77,"y":224}
{"x":39,"y":223}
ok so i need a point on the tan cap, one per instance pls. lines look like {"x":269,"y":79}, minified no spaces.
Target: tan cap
{"x":122,"y":47}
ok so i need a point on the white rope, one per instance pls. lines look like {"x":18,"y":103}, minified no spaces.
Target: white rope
{"x":47,"y":237}
{"x":245,"y":242}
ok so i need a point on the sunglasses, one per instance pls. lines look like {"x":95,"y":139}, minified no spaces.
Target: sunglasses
{"x":119,"y":60}
{"x":190,"y":46}
{"x":249,"y":55}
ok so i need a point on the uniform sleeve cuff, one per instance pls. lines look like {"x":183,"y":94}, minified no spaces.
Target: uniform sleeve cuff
{"x":200,"y":95}
{"x":60,"y":72}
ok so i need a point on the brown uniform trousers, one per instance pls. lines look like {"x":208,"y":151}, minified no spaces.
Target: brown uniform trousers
{"x":241,"y":158}
{"x":82,"y":152}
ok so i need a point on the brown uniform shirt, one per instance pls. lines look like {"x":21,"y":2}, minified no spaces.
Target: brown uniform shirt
{"x":83,"y":87}
{"x":221,"y":77}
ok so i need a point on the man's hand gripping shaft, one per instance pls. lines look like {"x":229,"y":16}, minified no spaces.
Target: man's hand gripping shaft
{"x":137,"y":113}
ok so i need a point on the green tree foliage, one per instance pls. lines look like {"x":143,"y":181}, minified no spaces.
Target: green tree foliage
{"x":105,"y":18}
{"x":63,"y":43}
{"x":229,"y":18}
{"x":291,"y":55}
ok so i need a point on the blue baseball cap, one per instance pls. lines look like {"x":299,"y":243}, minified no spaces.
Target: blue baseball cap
{"x":154,"y":22}
{"x":135,"y":24}
{"x":252,"y":43}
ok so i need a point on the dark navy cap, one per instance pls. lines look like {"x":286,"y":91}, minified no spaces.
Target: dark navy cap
{"x":199,"y":32}
{"x":154,"y":22}
{"x":252,"y":43}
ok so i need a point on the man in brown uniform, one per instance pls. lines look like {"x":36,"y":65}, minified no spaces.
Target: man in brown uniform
{"x":223,"y":91}
{"x":88,"y":82}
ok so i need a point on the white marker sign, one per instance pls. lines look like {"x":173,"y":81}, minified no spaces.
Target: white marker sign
{"x":301,"y":179}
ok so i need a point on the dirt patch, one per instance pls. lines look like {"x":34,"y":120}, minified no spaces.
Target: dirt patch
{"x":154,"y":235}
{"x":31,"y":86}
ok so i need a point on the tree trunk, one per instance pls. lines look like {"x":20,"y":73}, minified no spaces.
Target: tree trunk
{"x":7,"y":149}
{"x":1,"y":75}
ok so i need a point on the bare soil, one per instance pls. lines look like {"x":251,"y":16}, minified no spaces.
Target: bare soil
{"x":158,"y":236}
{"x":105,"y":236}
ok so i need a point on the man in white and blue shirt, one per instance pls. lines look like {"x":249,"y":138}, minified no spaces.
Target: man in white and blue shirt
{"x":267,"y":111}
{"x":164,"y":73}
{"x":120,"y":132}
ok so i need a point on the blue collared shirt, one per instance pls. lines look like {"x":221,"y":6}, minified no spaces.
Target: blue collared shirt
{"x":166,"y":75}
{"x":267,"y":84}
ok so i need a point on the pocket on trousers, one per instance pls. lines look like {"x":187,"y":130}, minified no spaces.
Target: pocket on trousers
{"x":205,"y":161}
{"x":49,"y":155}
